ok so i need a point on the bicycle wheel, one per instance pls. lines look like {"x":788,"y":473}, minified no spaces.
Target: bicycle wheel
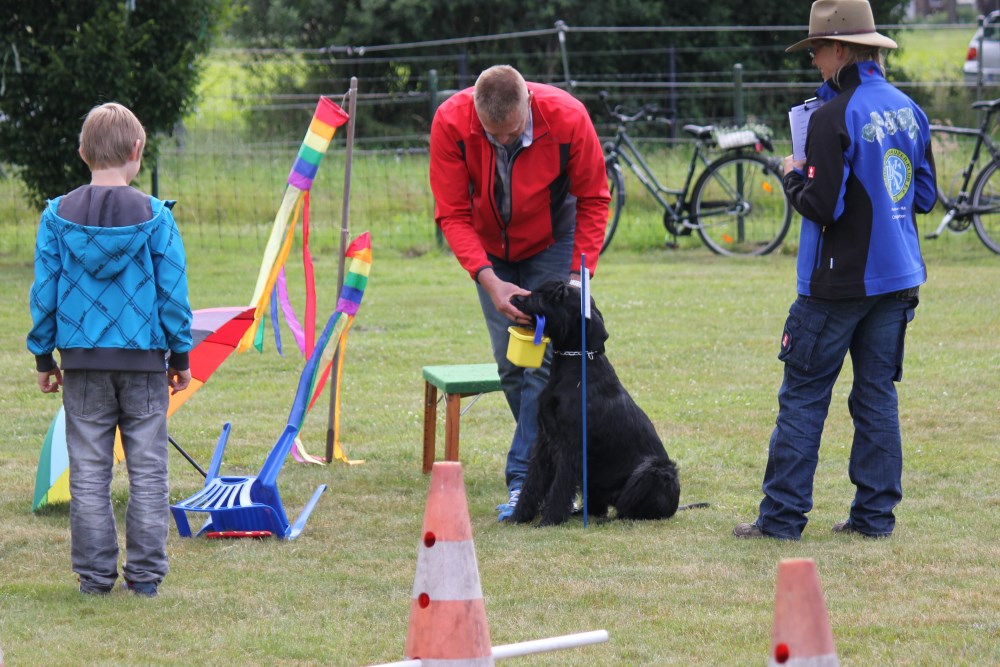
{"x":986,"y":203}
{"x":739,"y":206}
{"x":616,"y":184}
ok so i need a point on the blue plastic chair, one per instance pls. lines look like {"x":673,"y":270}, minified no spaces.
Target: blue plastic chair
{"x":252,"y":504}
{"x":245,"y":504}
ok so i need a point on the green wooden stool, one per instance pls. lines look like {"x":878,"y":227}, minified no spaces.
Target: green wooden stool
{"x":456,"y":382}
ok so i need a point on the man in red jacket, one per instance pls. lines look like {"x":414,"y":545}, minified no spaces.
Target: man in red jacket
{"x":520,"y":192}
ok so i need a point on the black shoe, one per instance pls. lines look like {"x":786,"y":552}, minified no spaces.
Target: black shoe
{"x":90,"y":588}
{"x":144,"y":588}
{"x":847,"y":528}
{"x":94,"y":590}
{"x":748,"y":531}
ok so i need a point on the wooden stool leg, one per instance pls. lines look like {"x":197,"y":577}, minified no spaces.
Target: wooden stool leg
{"x":453,"y":403}
{"x":430,"y":425}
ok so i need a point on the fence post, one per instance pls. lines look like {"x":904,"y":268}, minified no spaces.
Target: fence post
{"x":432,"y":90}
{"x":980,"y":79}
{"x":738,"y":93}
{"x":563,"y":28}
{"x":672,"y":69}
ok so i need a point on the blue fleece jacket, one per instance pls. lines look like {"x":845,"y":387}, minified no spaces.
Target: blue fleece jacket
{"x":110,"y":297}
{"x":869,"y":170}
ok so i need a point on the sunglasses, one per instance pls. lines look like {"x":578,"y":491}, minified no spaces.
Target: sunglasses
{"x":813,"y":50}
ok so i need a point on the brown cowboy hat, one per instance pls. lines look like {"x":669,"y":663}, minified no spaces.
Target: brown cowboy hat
{"x":843,"y":21}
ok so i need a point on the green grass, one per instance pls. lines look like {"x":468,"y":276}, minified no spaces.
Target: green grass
{"x":933,"y":54}
{"x":694,"y":338}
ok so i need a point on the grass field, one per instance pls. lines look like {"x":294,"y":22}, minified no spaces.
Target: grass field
{"x":694,"y":338}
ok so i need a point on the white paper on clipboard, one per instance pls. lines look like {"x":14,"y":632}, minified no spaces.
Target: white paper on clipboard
{"x":798,"y":120}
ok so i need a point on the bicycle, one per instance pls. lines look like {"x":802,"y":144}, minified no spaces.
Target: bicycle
{"x":981,"y":208}
{"x":737,"y":205}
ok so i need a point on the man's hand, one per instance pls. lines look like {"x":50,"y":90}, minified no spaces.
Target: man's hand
{"x":500,"y":294}
{"x":50,"y":381}
{"x":179,"y":380}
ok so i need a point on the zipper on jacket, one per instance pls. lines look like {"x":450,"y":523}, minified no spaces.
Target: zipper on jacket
{"x":819,"y":247}
{"x":508,"y":193}
{"x":493,"y":201}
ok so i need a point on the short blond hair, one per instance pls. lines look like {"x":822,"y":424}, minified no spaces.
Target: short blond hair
{"x":108,"y":136}
{"x":499,"y":92}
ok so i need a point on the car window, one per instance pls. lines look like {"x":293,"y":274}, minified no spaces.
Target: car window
{"x":991,"y":26}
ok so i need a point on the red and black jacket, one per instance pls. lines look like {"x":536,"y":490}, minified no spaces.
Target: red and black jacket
{"x":564,"y":160}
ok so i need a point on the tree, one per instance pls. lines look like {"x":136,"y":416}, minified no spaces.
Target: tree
{"x":62,"y":58}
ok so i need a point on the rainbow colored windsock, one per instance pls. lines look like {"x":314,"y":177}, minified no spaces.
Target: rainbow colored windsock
{"x":327,"y":118}
{"x":355,"y":281}
{"x":360,"y":253}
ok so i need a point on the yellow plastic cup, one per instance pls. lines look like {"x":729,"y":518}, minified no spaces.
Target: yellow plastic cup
{"x":521,"y":348}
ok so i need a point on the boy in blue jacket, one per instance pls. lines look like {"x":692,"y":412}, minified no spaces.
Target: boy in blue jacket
{"x":110,"y":293}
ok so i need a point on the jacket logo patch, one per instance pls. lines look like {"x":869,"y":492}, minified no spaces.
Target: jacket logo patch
{"x":890,"y":122}
{"x":897,"y":173}
{"x":811,"y":172}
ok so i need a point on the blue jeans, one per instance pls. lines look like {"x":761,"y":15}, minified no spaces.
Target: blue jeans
{"x":818,"y":335}
{"x":522,"y":386}
{"x":96,"y":403}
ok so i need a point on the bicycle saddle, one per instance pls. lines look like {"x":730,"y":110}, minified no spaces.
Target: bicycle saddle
{"x":702,"y":132}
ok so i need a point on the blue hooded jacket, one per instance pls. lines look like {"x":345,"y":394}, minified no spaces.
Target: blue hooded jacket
{"x":110,"y":297}
{"x":869,"y":170}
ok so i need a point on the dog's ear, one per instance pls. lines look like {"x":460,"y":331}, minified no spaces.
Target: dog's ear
{"x":556,"y":291}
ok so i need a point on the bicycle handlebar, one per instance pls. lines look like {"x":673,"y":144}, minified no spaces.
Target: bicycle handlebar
{"x":646,"y":111}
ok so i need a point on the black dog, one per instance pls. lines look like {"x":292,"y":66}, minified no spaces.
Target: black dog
{"x":628,"y":468}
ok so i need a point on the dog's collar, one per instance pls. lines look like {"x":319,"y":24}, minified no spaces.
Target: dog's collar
{"x":578,"y":353}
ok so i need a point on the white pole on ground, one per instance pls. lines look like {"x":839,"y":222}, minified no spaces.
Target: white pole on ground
{"x":528,"y":648}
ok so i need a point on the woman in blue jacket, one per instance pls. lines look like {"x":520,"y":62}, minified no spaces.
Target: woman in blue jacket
{"x":868,"y":171}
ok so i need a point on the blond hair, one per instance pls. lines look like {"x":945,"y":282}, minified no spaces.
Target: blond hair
{"x":859,"y":53}
{"x":500,"y":91}
{"x":108,"y":136}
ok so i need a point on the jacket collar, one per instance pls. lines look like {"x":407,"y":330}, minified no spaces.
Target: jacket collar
{"x":851,"y":76}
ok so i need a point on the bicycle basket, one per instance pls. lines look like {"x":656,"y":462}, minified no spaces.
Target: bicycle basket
{"x":728,"y":139}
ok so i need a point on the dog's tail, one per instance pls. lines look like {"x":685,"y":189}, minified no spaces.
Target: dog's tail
{"x":652,"y":492}
{"x":694,"y":506}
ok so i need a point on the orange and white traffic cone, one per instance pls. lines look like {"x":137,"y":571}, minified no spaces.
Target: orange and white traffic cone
{"x":801,"y":634}
{"x":447,"y":614}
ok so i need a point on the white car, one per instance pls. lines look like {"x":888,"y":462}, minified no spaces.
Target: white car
{"x":984,"y":47}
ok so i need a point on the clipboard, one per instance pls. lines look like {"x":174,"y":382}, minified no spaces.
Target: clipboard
{"x":798,"y":120}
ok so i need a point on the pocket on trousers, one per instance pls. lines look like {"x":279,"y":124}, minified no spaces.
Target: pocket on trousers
{"x":798,"y":340}
{"x":146,"y":393}
{"x":85,"y":393}
{"x":907,"y":318}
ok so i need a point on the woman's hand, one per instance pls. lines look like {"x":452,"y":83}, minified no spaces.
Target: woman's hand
{"x":790,"y":164}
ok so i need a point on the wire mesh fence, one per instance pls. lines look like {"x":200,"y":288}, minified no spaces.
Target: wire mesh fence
{"x":227,"y":163}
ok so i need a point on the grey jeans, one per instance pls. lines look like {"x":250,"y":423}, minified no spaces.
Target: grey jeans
{"x":98,"y":402}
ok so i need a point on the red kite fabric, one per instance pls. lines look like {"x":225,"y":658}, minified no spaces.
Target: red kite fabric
{"x":216,"y":333}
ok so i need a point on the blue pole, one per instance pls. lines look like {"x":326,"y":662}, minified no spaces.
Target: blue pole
{"x":584,"y":304}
